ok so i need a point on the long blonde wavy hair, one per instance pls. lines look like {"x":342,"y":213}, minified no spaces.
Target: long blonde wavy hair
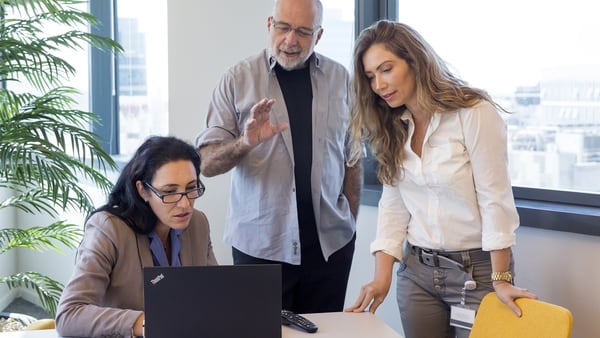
{"x":437,"y":90}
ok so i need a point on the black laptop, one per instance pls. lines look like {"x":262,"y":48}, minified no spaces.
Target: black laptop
{"x":226,"y":301}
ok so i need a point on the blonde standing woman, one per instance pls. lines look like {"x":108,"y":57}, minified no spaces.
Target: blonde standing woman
{"x":447,"y":212}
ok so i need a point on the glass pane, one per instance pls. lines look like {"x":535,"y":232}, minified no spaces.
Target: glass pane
{"x":540,"y":60}
{"x":143,"y":70}
{"x":338,"y":31}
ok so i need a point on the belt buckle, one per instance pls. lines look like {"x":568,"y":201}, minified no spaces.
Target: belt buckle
{"x":434,"y":259}
{"x":429,"y":258}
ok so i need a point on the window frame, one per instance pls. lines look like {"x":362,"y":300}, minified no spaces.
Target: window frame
{"x":103,"y":97}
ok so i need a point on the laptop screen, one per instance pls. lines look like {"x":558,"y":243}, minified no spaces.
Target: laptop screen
{"x":241,"y":301}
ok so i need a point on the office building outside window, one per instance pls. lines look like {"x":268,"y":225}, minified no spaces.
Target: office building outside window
{"x":539,"y":60}
{"x":143,"y":72}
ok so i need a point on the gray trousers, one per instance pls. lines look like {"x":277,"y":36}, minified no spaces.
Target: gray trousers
{"x":427,"y":286}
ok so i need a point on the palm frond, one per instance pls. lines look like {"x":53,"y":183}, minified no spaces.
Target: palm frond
{"x":40,"y":238}
{"x":27,"y":52}
{"x":38,"y":201}
{"x":28,"y":8}
{"x":46,"y":146}
{"x":34,"y":63}
{"x":47,"y":289}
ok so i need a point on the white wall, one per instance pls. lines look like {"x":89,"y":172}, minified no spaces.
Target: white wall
{"x":562,"y":268}
{"x":206,"y":37}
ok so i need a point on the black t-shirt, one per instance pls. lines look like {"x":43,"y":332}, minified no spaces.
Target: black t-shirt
{"x":297,"y":91}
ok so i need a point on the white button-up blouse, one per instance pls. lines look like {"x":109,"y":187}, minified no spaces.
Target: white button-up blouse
{"x":458,"y":195}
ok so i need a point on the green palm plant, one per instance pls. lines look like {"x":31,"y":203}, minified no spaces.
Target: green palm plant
{"x":46,"y":147}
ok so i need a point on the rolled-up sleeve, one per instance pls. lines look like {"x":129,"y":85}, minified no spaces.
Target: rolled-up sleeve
{"x":222,"y":117}
{"x":392,"y":223}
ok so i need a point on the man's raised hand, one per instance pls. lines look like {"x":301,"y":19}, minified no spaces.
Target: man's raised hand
{"x":258,"y":127}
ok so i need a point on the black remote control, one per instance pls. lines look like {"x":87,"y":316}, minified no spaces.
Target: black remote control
{"x":291,"y":318}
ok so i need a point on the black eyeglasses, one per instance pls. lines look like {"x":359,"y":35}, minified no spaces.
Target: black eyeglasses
{"x":284,"y":28}
{"x":175,"y":197}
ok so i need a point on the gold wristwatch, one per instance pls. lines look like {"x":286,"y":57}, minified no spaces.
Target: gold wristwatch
{"x":504,"y":276}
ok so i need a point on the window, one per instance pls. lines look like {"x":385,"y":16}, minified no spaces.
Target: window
{"x":142,"y":72}
{"x":338,"y":34}
{"x":130,"y":90}
{"x":539,"y":60}
{"x":522,"y":53}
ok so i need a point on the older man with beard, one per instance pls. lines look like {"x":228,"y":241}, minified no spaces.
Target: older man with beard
{"x":279,"y":119}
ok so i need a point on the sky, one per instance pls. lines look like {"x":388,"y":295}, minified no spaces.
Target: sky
{"x":502,"y":45}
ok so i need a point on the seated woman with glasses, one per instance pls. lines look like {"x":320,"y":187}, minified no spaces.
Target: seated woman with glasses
{"x":149,"y":220}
